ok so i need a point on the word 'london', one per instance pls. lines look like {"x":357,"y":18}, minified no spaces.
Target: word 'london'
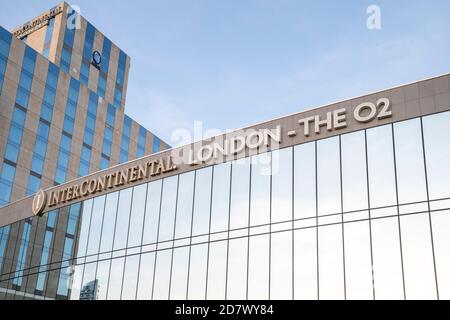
{"x":112,"y":180}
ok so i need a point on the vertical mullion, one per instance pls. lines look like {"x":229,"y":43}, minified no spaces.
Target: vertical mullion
{"x":173,"y":235}
{"x":126,"y":243}
{"x":190,"y":237}
{"x":248,"y":226}
{"x":429,"y":208}
{"x":370,"y":216}
{"x":209,"y":232}
{"x":157,"y":237}
{"x":398,"y":209}
{"x":342,"y":216}
{"x":228,"y":231}
{"x":142,"y":240}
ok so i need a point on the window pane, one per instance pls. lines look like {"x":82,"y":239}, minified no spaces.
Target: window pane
{"x":237,"y":269}
{"x":109,"y":222}
{"x":381,"y":167}
{"x":409,"y":157}
{"x":146,"y":276}
{"x":387,"y":263}
{"x":76,"y":279}
{"x":184,"y":205}
{"x":84,"y":229}
{"x":281,"y":266}
{"x":417,"y":257}
{"x":89,"y":287}
{"x":282,"y":185}
{"x":358,"y":263}
{"x":260,"y":190}
{"x":96,"y":225}
{"x":220,"y":197}
{"x":217,"y":270}
{"x":178,"y":289}
{"x":305,"y":181}
{"x":115,"y":279}
{"x":305,"y":264}
{"x":354,"y":174}
{"x":137,"y":215}
{"x":331,"y":263}
{"x":258,"y":275}
{"x":130,"y":278}
{"x":202,"y":201}
{"x":328,"y":176}
{"x":441,"y":238}
{"x":437,"y":149}
{"x":197,"y":272}
{"x":123,"y":217}
{"x":162,"y":275}
{"x":152,"y":212}
{"x":102,"y":278}
{"x":240,"y":190}
{"x":168,"y":202}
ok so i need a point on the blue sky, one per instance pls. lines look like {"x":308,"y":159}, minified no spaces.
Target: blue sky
{"x":232,"y":63}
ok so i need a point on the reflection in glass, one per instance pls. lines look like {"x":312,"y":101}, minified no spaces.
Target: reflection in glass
{"x":381,"y":167}
{"x":115,"y":279}
{"x":260,"y":190}
{"x":305,"y":264}
{"x":109,"y":222}
{"x":409,"y":158}
{"x":387,"y":262}
{"x":152,"y":212}
{"x":358,"y":262}
{"x":96,"y":225}
{"x":123,"y":218}
{"x":145,"y":282}
{"x":178,"y":284}
{"x":76,"y":279}
{"x":437,"y":150}
{"x":162,"y":275}
{"x":84,"y":229}
{"x":418,"y":257}
{"x":130,"y":277}
{"x":240,"y":189}
{"x":89,"y":286}
{"x":305,"y":180}
{"x":217,"y":270}
{"x":328,"y":176}
{"x":281,"y":266}
{"x":202,"y":201}
{"x":237,"y":269}
{"x":137,"y":215}
{"x":282,"y":185}
{"x":168,"y":202}
{"x":220,"y":197}
{"x":184,"y":205}
{"x":331,"y":263}
{"x":354,"y":174}
{"x":102,"y":278}
{"x":441,"y":238}
{"x":197,"y":272}
{"x":258,"y":275}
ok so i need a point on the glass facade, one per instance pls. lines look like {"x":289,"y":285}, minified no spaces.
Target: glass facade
{"x":363,"y":215}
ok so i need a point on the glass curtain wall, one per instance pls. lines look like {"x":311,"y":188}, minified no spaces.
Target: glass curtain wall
{"x":363,"y":215}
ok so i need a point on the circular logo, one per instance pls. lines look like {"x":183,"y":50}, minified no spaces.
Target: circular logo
{"x":97,"y":58}
{"x":39,"y":202}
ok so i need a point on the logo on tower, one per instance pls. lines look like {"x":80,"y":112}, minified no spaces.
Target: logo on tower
{"x":39,"y":202}
{"x":96,"y":59}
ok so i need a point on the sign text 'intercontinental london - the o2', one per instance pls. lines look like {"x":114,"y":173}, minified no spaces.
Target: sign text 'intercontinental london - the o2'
{"x":251,"y":139}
